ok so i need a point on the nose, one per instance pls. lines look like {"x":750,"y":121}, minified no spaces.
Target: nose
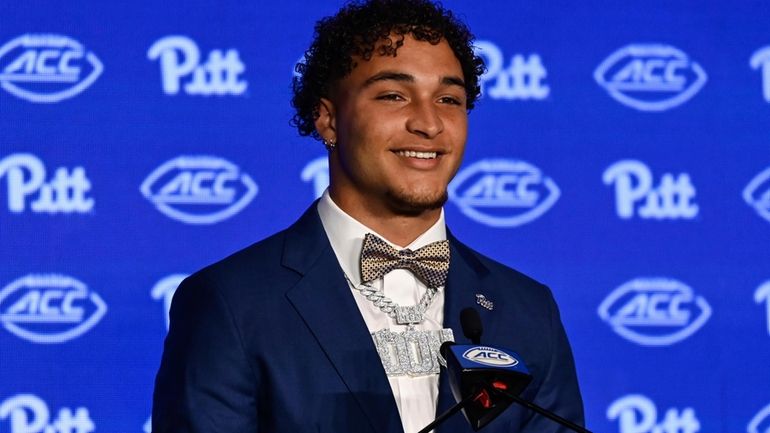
{"x":424,"y":120}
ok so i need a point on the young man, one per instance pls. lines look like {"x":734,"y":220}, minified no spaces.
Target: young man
{"x":333,"y":325}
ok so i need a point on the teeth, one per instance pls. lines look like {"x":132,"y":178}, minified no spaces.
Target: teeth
{"x":414,"y":154}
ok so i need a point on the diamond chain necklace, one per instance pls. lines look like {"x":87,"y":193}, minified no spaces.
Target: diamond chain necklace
{"x":410,"y":315}
{"x":406,"y":353}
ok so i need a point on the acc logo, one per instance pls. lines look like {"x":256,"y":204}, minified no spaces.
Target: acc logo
{"x":180,"y":57}
{"x":490,"y":356}
{"x":165,"y":289}
{"x":637,"y":414}
{"x":761,"y":59}
{"x":650,"y":77}
{"x":503,"y":193}
{"x":522,"y":79}
{"x":47,"y":68}
{"x":64,"y":192}
{"x":757,"y":194}
{"x":654,"y":311}
{"x":671,"y":199}
{"x":27,"y":413}
{"x":49,"y":308}
{"x":199,"y":189}
{"x":317,"y":173}
{"x":761,"y":421}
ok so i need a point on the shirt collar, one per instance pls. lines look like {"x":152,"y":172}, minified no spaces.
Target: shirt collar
{"x":346,"y":235}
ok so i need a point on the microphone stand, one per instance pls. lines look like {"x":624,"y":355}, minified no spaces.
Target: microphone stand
{"x":550,"y":415}
{"x":449,"y":412}
{"x":489,"y":388}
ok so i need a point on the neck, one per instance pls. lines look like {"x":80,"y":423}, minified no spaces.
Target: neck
{"x":399,"y":228}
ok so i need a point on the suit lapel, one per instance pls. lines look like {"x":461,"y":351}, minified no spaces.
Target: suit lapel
{"x":322,"y":297}
{"x":467,"y":278}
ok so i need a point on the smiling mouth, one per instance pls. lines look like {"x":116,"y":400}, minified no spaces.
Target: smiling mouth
{"x":419,"y":155}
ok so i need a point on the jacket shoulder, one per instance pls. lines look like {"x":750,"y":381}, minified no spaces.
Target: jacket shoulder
{"x":499,"y":270}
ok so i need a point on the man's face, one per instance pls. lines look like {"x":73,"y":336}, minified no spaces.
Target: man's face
{"x":400,"y":124}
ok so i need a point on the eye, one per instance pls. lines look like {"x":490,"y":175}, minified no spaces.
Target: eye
{"x":390,"y":97}
{"x":451,"y":100}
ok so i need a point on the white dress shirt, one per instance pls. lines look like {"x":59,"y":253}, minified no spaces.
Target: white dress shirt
{"x":416,"y":397}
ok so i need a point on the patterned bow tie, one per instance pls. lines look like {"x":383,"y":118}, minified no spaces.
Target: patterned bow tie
{"x":430,"y":263}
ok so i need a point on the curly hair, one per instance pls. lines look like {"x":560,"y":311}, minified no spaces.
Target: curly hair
{"x":361,"y":28}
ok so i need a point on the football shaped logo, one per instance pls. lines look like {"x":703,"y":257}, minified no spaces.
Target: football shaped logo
{"x":654,"y":311}
{"x":490,"y":356}
{"x":49,"y":308}
{"x":47,"y":68}
{"x":503,"y":192}
{"x":650,"y":77}
{"x":199,"y":189}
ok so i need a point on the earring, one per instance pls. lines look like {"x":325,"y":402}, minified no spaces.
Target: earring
{"x":330,"y":143}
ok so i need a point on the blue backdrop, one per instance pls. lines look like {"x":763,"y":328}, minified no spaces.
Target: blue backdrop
{"x":619,"y":154}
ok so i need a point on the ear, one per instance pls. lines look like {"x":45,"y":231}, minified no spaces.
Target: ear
{"x":326,"y":123}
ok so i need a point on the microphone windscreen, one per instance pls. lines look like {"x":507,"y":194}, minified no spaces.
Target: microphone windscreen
{"x":445,"y":348}
{"x":471,"y":323}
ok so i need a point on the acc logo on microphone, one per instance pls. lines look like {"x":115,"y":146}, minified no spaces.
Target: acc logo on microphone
{"x":49,"y":308}
{"x":650,"y":77}
{"x":199,"y":189}
{"x":757,"y":194}
{"x":502,"y":192}
{"x":654,"y":311}
{"x":490,"y":356}
{"x":47,"y":68}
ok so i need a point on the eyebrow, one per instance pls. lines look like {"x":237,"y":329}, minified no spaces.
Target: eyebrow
{"x":389,"y":75}
{"x":407,"y":78}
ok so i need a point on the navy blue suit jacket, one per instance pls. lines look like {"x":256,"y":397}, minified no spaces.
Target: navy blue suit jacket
{"x":270,"y":340}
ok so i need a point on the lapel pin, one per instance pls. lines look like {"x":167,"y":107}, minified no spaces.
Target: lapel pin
{"x":484,"y":302}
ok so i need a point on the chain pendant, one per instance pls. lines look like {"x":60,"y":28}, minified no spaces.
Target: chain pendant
{"x":408,"y":315}
{"x":411,"y":352}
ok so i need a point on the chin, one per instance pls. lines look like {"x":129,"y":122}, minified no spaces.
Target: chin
{"x":413,"y":203}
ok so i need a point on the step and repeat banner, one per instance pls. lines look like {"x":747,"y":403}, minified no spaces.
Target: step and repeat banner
{"x":620,"y":154}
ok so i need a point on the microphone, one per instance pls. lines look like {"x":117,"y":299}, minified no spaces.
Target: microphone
{"x":475,"y":372}
{"x":483,"y":372}
{"x":486,"y":380}
{"x":471,"y":324}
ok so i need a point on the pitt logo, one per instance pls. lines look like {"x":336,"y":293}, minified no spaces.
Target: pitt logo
{"x":65,"y":192}
{"x":757,"y":194}
{"x":650,"y":77}
{"x":27,"y":413}
{"x":180,"y":57}
{"x":654,"y":311}
{"x":199,"y":189}
{"x":45,"y":68}
{"x":503,"y":193}
{"x":637,"y":414}
{"x":490,"y":356}
{"x":672,"y":199}
{"x":522,"y":79}
{"x":49,"y":308}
